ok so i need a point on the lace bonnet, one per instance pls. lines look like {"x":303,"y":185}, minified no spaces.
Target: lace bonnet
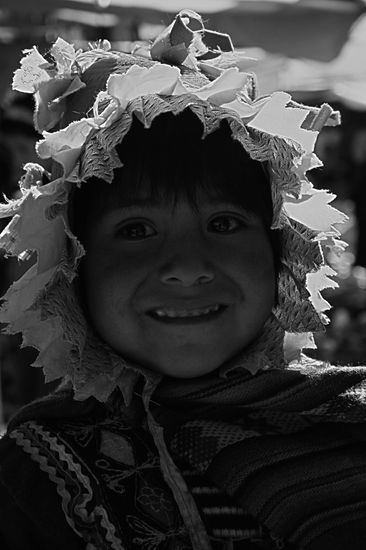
{"x":187,"y":67}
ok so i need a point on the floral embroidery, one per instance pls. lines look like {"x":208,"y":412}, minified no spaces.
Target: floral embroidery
{"x":126,"y":463}
{"x":155,"y":498}
{"x":115,"y":477}
{"x":150,"y":538}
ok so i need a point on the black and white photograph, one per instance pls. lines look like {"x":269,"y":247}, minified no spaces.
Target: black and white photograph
{"x":183,"y":275}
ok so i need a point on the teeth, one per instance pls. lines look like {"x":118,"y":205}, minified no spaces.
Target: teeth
{"x":173,"y":313}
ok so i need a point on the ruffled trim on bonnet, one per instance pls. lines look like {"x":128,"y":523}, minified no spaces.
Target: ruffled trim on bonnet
{"x":210,"y":81}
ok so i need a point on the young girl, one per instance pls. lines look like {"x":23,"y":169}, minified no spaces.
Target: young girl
{"x":178,"y":276}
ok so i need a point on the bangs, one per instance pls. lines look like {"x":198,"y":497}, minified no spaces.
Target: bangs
{"x":171,"y":161}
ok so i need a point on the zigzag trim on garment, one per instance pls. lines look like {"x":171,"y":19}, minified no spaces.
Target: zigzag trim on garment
{"x":32,"y":437}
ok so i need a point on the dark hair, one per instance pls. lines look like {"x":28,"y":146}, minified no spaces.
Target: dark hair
{"x":170,"y":160}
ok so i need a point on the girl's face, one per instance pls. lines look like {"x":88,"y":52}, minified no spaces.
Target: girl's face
{"x":176,"y":288}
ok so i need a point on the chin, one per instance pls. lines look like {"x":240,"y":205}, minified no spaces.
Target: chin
{"x":189,"y":368}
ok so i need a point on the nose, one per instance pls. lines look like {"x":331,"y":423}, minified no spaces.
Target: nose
{"x":187,"y":270}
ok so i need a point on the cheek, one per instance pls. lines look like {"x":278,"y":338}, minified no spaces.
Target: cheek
{"x":112,"y":281}
{"x":260,"y":267}
{"x":251,"y":260}
{"x":252,"y":267}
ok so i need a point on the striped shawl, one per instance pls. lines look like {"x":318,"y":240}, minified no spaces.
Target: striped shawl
{"x":288,"y":445}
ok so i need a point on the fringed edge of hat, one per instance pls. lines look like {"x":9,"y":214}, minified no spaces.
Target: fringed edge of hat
{"x":272,"y":129}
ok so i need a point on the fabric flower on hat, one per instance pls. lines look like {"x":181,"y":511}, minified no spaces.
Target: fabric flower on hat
{"x":65,"y":146}
{"x":186,"y":41}
{"x":52,"y":82}
{"x":270,"y":114}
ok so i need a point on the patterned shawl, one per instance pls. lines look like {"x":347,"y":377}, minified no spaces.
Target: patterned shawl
{"x":288,"y":445}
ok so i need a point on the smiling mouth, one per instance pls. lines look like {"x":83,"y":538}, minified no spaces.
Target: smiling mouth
{"x":178,"y":315}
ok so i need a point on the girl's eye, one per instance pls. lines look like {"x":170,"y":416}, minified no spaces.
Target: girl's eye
{"x":225,"y":224}
{"x":135,"y":231}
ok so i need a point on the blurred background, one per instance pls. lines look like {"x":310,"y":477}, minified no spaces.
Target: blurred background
{"x":315,"y":49}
